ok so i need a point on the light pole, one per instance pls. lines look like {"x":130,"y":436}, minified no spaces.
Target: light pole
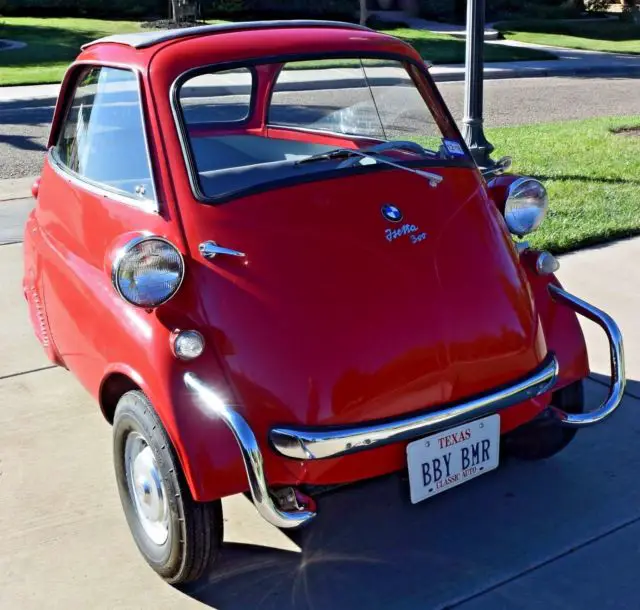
{"x":473,"y":132}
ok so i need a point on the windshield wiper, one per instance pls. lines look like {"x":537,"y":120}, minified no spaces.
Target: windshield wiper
{"x":340,"y":153}
{"x":405,"y":145}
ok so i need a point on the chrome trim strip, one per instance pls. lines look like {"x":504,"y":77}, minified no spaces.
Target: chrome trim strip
{"x":148,"y":39}
{"x":616,"y":353}
{"x":252,"y":456}
{"x":320,"y":443}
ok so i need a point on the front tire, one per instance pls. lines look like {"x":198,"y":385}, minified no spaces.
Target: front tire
{"x":544,"y":437}
{"x":178,"y":537}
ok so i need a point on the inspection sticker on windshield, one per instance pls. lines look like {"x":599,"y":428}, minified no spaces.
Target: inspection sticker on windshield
{"x":453,"y":148}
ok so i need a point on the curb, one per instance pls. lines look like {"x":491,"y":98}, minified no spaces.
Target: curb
{"x":488,"y":34}
{"x":498,"y":73}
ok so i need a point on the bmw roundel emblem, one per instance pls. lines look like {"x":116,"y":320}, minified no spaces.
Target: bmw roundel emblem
{"x":391,"y":212}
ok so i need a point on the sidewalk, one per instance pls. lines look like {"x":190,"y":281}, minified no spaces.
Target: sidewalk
{"x":570,"y":62}
{"x":16,"y":188}
{"x":417,"y":23}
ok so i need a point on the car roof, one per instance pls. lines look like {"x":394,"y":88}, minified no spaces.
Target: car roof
{"x":144,"y":40}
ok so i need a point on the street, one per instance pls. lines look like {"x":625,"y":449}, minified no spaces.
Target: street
{"x":24,"y":126}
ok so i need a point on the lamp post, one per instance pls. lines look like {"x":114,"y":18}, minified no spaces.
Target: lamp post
{"x":473,"y":132}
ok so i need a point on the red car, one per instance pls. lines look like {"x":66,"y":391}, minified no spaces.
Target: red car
{"x":267,"y":252}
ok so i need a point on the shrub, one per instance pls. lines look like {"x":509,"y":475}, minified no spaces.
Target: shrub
{"x":230,"y":7}
{"x":456,"y":10}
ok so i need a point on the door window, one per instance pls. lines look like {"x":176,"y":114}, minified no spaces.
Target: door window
{"x":103,"y":138}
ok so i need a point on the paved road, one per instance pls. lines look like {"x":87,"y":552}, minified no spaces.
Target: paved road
{"x":24,"y":126}
{"x":561,"y":534}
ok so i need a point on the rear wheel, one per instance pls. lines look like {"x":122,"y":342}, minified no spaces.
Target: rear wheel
{"x":178,"y":537}
{"x":543,"y":437}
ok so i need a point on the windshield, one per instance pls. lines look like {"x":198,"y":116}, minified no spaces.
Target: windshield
{"x":318,"y":111}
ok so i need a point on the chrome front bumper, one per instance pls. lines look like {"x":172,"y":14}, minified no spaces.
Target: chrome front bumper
{"x":616,"y":357}
{"x":320,"y":443}
{"x":251,"y":455}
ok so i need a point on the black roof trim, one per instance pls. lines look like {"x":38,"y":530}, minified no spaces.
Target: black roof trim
{"x":148,"y":39}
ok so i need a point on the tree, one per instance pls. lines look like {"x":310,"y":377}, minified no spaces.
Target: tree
{"x":631,"y":11}
{"x":183,"y":10}
{"x":363,"y":12}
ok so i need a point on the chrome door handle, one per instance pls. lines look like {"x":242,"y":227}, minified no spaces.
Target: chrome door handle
{"x":210,"y":249}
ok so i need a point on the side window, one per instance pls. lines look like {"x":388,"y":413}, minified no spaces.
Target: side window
{"x":103,"y":138}
{"x":217,"y":97}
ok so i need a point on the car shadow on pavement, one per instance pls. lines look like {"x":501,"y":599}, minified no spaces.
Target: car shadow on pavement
{"x":632,"y":388}
{"x":21,"y":142}
{"x":369,"y":547}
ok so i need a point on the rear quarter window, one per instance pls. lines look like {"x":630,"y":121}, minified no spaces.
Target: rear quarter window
{"x":217,"y":97}
{"x":102,"y":139}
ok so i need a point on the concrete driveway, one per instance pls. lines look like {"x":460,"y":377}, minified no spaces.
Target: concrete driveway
{"x":560,"y":534}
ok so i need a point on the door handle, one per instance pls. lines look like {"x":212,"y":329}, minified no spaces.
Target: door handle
{"x":210,"y":249}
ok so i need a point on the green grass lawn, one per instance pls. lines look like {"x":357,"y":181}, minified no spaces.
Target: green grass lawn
{"x":592,"y":176}
{"x":54,"y":43}
{"x":443,"y":49}
{"x":612,"y":36}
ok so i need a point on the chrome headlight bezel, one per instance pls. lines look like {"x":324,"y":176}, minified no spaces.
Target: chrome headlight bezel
{"x":121,"y":257}
{"x":522,"y":214}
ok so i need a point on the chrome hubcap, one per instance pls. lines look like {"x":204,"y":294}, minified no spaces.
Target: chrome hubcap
{"x":146,"y":488}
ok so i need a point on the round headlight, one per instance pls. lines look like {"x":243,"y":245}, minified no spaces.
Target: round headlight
{"x":148,"y":271}
{"x":526,"y":206}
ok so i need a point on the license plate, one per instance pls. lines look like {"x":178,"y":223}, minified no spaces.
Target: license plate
{"x":451,"y":457}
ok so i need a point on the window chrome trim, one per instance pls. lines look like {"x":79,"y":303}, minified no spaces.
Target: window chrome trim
{"x":66,"y":173}
{"x":146,"y":204}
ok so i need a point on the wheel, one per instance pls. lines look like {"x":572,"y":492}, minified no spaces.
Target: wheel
{"x":543,"y":437}
{"x":178,"y":537}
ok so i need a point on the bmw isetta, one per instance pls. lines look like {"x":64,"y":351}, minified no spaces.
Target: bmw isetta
{"x":267,"y":252}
